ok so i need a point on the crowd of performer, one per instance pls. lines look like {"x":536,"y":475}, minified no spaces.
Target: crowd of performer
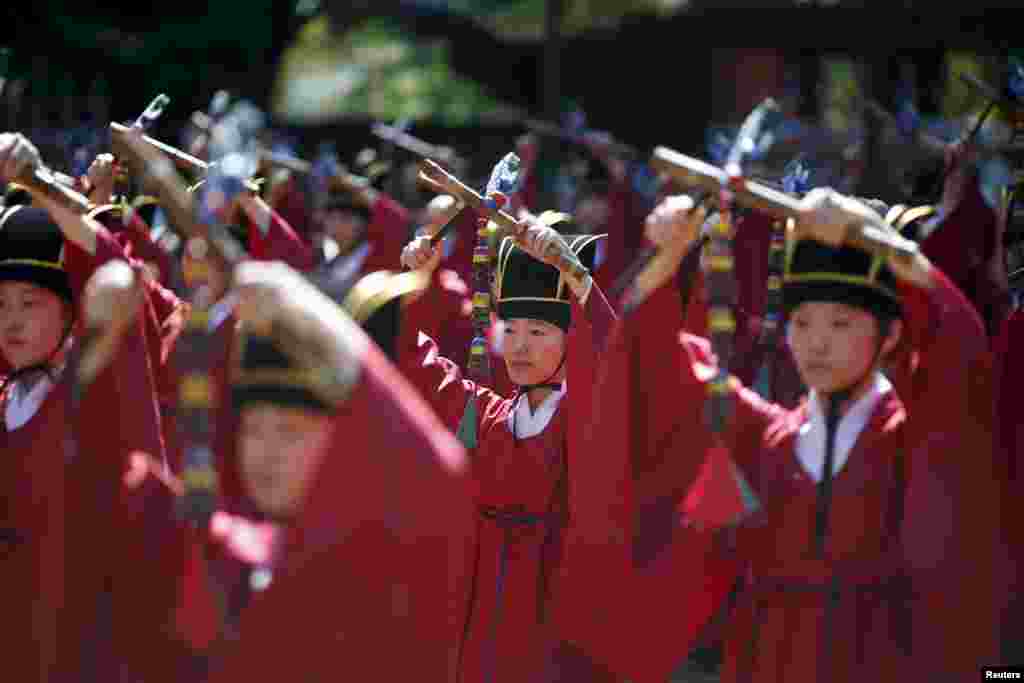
{"x":485,"y":456}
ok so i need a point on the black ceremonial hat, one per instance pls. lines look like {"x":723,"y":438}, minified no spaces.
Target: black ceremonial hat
{"x":818,"y":272}
{"x":264,"y":374}
{"x":32,"y":250}
{"x":528,"y":288}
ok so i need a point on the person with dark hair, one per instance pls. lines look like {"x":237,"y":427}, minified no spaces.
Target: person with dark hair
{"x":553,"y":327}
{"x":62,"y":275}
{"x":364,"y":223}
{"x":845,"y":520}
{"x":345,"y":504}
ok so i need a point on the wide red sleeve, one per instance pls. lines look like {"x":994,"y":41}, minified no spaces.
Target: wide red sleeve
{"x":442,"y":384}
{"x":444,"y":312}
{"x":464,"y":235}
{"x":164,"y":318}
{"x":150,"y":579}
{"x":380,"y":553}
{"x":292,"y":207}
{"x":963,"y":245}
{"x":80,"y":265}
{"x":625,"y":233}
{"x":388,"y":231}
{"x":103,"y":536}
{"x":137,"y":245}
{"x":951,"y":531}
{"x":279,"y":242}
{"x":943,"y":346}
{"x":644,"y":445}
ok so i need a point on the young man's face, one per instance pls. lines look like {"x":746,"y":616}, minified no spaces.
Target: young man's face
{"x":32,"y":323}
{"x":834,"y":345}
{"x":278,"y":449}
{"x":533,"y":350}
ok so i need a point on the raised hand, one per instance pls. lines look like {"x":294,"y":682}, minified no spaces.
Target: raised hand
{"x":674,"y":222}
{"x":110,"y":301}
{"x":544,"y":243}
{"x":826,"y":216}
{"x":672,"y":226}
{"x":419,"y":254}
{"x":17,"y":155}
{"x":101,"y":175}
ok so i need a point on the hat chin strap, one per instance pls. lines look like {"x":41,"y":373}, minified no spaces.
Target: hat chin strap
{"x":547,"y":383}
{"x":522,"y":389}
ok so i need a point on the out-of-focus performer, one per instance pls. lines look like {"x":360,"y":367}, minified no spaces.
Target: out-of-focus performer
{"x":63,"y":455}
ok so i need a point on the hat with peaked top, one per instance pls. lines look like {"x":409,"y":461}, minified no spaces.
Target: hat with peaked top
{"x":528,"y":288}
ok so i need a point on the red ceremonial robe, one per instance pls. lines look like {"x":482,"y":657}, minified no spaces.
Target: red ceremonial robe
{"x":290,"y":203}
{"x":363,"y":556}
{"x":163,"y":559}
{"x":371,"y":579}
{"x":895,"y":616}
{"x":520,"y":514}
{"x":134,"y":240}
{"x":386,"y":235}
{"x":54,"y":505}
{"x":445,"y":313}
{"x":280,"y":243}
{"x":627,"y":211}
{"x":963,"y":245}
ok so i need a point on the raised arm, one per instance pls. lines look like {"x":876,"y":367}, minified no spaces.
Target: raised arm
{"x":274,"y":239}
{"x":119,"y":387}
{"x":952,"y":510}
{"x":647,"y":444}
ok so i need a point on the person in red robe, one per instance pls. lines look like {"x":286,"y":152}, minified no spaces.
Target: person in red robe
{"x":358,"y":516}
{"x":380,"y":545}
{"x":263,"y":231}
{"x":961,"y":235}
{"x":267,"y":236}
{"x":554,"y":326}
{"x":285,"y":195}
{"x":366,"y":225}
{"x":846,"y":519}
{"x":62,"y":460}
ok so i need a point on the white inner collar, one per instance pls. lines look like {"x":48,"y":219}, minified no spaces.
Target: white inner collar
{"x":523,"y":423}
{"x":23,"y":403}
{"x":810,"y":444}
